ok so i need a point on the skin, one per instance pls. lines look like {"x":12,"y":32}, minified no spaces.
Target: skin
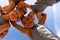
{"x":4,"y":28}
{"x":14,"y":15}
{"x":11,"y":3}
{"x":29,"y":21}
{"x":26,"y":30}
{"x":5,"y":8}
{"x":41,"y":17}
{"x":23,"y":29}
{"x":22,"y":6}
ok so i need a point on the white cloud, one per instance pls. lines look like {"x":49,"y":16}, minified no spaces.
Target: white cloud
{"x":56,"y":20}
{"x":31,"y":2}
{"x":3,"y":2}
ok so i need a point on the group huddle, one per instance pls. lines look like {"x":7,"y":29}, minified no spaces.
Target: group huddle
{"x":15,"y":11}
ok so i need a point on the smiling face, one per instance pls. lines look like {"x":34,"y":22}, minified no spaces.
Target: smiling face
{"x":15,"y":15}
{"x":21,"y":6}
{"x":28,"y":22}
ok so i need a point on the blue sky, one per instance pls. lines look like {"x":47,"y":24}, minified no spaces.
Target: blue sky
{"x":52,"y":21}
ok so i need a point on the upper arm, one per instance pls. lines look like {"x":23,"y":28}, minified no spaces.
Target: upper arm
{"x":20,"y":28}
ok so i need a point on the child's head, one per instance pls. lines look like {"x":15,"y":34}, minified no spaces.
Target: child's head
{"x":15,"y":15}
{"x":21,"y":6}
{"x":28,"y":22}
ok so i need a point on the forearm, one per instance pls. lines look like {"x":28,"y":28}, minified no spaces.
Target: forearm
{"x":4,"y":27}
{"x":38,"y":16}
{"x":22,"y":29}
{"x":11,"y":6}
{"x":41,"y":17}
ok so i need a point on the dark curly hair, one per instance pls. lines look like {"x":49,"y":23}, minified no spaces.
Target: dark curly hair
{"x":17,"y":1}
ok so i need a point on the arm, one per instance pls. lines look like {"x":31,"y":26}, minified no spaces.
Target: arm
{"x":4,"y":27}
{"x":41,"y":17}
{"x":3,"y":15}
{"x":11,"y":6}
{"x":22,"y":29}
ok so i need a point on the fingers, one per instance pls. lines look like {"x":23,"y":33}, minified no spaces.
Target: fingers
{"x":43,"y":19}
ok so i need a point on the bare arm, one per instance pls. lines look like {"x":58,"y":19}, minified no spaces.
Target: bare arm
{"x":11,"y":6}
{"x":4,"y":27}
{"x":41,"y":17}
{"x":22,"y":29}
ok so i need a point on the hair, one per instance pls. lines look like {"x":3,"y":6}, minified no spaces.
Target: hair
{"x":22,"y":0}
{"x":17,"y":1}
{"x":34,"y":8}
{"x":2,"y":12}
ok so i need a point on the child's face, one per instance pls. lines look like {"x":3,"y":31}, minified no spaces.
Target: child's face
{"x":21,"y":6}
{"x":14,"y":16}
{"x":28,"y":23}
